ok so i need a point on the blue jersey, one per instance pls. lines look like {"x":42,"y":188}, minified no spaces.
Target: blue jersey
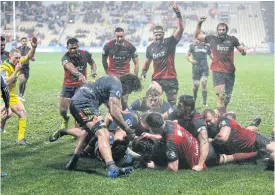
{"x":131,"y":119}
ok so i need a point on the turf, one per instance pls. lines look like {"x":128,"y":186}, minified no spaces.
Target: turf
{"x":39,"y":169}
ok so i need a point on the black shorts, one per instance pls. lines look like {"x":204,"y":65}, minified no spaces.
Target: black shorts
{"x":84,"y":112}
{"x":25,"y":70}
{"x":261,"y":142}
{"x":200,"y":70}
{"x":169,"y":86}
{"x":68,"y":91}
{"x":212,"y":158}
{"x":221,"y":78}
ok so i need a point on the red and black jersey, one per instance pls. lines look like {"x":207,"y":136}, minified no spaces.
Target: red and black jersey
{"x":4,"y":56}
{"x":181,"y":145}
{"x":223,"y":53}
{"x":241,"y":139}
{"x":120,"y":56}
{"x":194,"y":124}
{"x":163,"y":56}
{"x":80,"y":62}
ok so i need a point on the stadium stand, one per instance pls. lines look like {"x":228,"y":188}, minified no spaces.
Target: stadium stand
{"x":93,"y":23}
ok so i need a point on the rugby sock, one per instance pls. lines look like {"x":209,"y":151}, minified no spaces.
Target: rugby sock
{"x":204,"y":96}
{"x":109,"y":163}
{"x":21,"y":128}
{"x":244,"y":156}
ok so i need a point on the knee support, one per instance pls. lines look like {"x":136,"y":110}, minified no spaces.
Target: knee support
{"x":98,"y":126}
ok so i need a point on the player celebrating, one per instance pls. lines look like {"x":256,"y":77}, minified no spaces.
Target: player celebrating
{"x":10,"y":70}
{"x":120,"y":52}
{"x":223,"y":67}
{"x":199,"y":51}
{"x":162,"y":52}
{"x":75,"y":75}
{"x":85,"y":109}
{"x":25,"y":70}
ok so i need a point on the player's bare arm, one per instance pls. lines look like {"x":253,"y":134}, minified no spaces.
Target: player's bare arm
{"x":115,"y":111}
{"x":71,"y":68}
{"x":189,"y":58}
{"x":105,"y":63}
{"x":242,"y":49}
{"x":145,"y":68}
{"x":223,"y":135}
{"x":93,"y":68}
{"x":174,"y":166}
{"x":136,"y":64}
{"x":180,"y":28}
{"x":9,"y":80}
{"x":204,"y":149}
{"x":198,"y":35}
{"x":165,"y":115}
{"x":32,"y":51}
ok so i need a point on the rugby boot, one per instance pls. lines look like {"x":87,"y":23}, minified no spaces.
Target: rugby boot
{"x":256,"y":122}
{"x":73,"y":162}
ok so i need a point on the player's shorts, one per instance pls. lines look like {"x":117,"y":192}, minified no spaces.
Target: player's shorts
{"x":68,"y":91}
{"x":25,"y":70}
{"x":200,"y":70}
{"x":169,"y":86}
{"x":221,"y":78}
{"x":212,"y":157}
{"x":261,"y":142}
{"x":84,"y":112}
{"x":14,"y":99}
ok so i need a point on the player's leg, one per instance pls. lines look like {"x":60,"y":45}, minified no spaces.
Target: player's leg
{"x":230,"y":81}
{"x":219,"y":83}
{"x":23,"y":78}
{"x":196,"y":76}
{"x":65,"y":100}
{"x":4,"y":116}
{"x":20,"y":111}
{"x":171,"y":88}
{"x":204,"y":79}
{"x":76,"y":132}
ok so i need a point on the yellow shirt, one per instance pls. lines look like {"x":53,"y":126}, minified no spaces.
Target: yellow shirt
{"x":7,"y":69}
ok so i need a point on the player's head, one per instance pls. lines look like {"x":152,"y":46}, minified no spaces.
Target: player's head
{"x":156,"y":85}
{"x":24,"y":41}
{"x":130,"y":83}
{"x":14,"y":56}
{"x":158,"y":34}
{"x":3,"y":43}
{"x":222,"y":30}
{"x":73,"y":46}
{"x":152,"y":98}
{"x":119,"y":35}
{"x":155,"y":123}
{"x":186,"y":105}
{"x":202,"y":33}
{"x":210,"y":116}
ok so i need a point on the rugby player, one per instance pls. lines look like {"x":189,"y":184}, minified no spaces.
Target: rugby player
{"x":223,"y":68}
{"x":237,"y":138}
{"x":84,"y":108}
{"x":176,"y":148}
{"x":151,"y":100}
{"x":162,"y":53}
{"x":75,"y":74}
{"x":120,"y":52}
{"x":10,"y":71}
{"x":191,"y":120}
{"x":25,"y":70}
{"x":200,"y":70}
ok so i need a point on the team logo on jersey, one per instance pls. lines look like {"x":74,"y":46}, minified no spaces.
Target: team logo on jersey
{"x":159,"y":55}
{"x":221,"y":48}
{"x":222,"y":124}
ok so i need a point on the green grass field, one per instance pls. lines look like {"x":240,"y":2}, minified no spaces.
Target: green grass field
{"x":39,"y":169}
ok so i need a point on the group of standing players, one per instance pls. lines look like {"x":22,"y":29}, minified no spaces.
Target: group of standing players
{"x":151,"y":138}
